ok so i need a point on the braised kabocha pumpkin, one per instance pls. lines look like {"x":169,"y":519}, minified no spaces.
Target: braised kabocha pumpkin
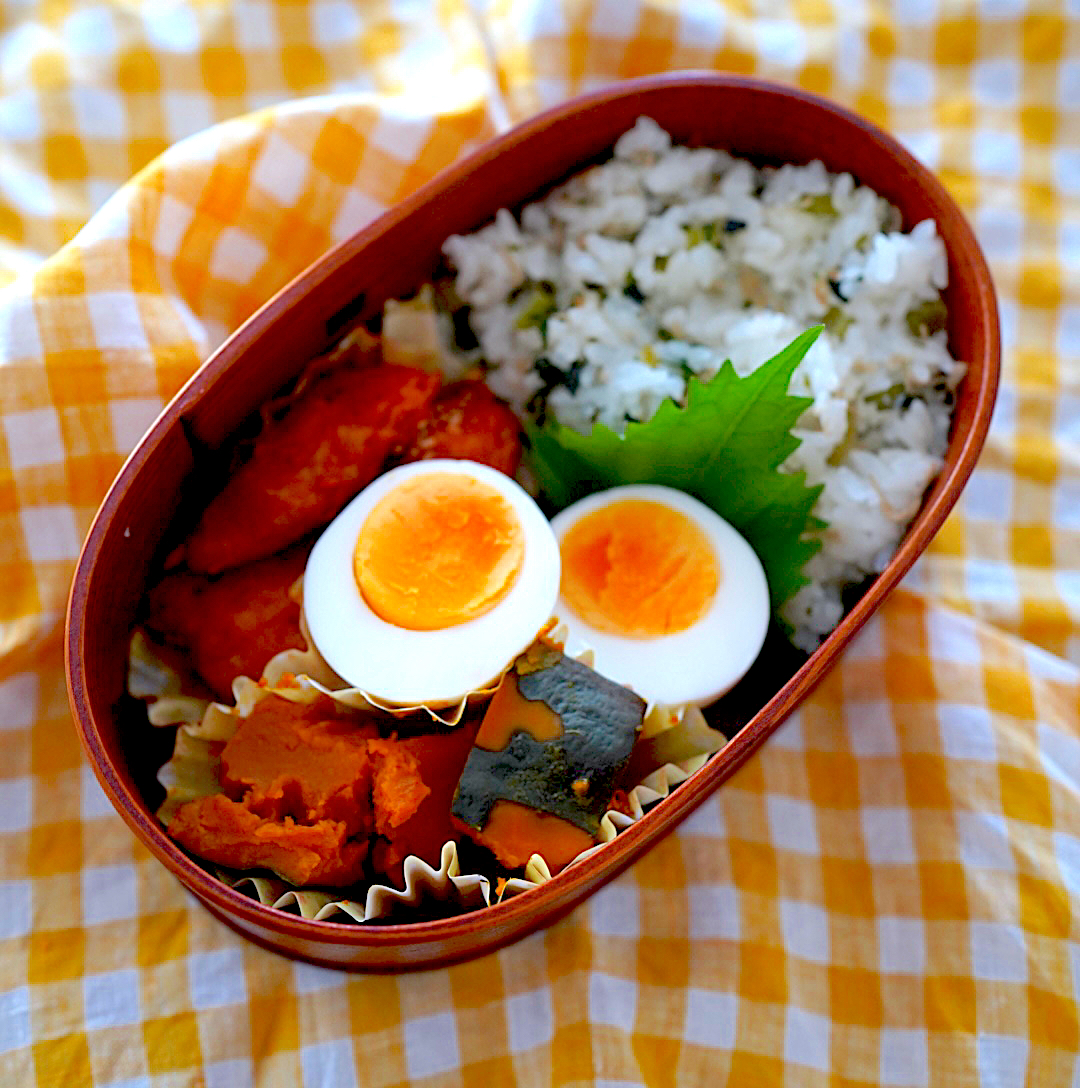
{"x":440,"y":758}
{"x":305,"y":789}
{"x":546,"y":759}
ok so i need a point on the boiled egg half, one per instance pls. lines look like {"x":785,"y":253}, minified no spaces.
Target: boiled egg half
{"x":670,"y":598}
{"x":430,"y":582}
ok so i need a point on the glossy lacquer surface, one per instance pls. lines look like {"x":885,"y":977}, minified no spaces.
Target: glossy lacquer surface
{"x":165,"y":476}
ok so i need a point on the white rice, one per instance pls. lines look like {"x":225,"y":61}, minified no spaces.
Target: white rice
{"x":729,"y":262}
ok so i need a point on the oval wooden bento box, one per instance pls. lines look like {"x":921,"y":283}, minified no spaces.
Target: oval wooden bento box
{"x":390,"y":259}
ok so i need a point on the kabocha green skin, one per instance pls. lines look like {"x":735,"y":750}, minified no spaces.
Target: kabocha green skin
{"x":600,"y":721}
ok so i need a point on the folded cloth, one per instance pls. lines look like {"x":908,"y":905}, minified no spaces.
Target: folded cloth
{"x":885,"y":894}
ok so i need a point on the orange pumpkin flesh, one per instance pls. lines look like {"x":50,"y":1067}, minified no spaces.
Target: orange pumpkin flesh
{"x":304,"y":791}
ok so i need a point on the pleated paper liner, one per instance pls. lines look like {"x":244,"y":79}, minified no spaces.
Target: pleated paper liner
{"x":673,"y":744}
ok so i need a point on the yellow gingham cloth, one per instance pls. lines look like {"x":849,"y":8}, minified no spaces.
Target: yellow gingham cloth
{"x":885,"y":895}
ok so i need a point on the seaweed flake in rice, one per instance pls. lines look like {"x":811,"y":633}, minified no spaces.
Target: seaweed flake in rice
{"x":605,"y":296}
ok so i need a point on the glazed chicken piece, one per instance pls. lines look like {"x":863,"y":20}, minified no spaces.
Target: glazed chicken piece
{"x":333,"y":440}
{"x":232,"y":625}
{"x":468,"y":422}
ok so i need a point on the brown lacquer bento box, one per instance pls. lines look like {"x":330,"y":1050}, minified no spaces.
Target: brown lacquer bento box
{"x":145,"y":526}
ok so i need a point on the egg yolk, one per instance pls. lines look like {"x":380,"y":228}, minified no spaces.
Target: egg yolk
{"x":638,"y":568}
{"x":438,"y":550}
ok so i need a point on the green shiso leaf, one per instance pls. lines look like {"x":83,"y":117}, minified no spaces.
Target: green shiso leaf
{"x":724,"y":448}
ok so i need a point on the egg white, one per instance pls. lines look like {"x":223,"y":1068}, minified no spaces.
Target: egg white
{"x":402,"y":667}
{"x":700,"y":663}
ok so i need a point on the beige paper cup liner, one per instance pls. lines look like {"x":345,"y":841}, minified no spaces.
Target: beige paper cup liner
{"x":674,"y":743}
{"x":307,"y":675}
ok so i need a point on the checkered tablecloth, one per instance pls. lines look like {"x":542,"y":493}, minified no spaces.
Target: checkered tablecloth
{"x":887,"y":894}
